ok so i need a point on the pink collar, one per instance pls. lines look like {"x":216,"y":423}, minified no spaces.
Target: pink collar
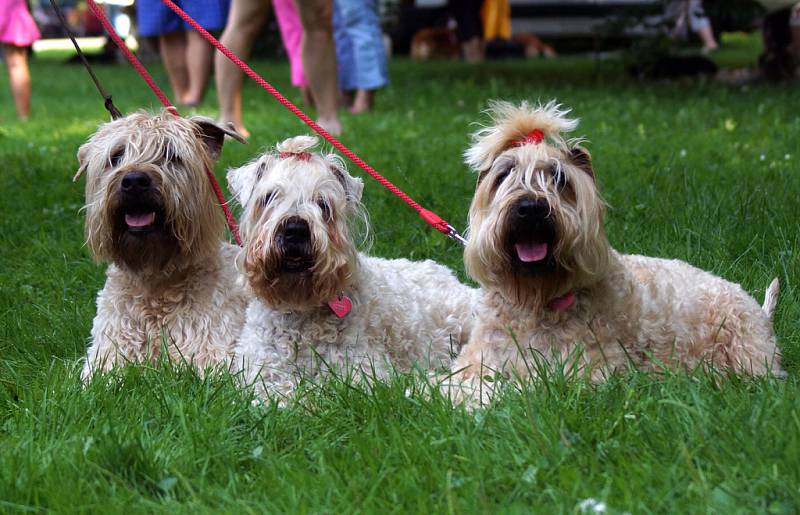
{"x":563,"y":302}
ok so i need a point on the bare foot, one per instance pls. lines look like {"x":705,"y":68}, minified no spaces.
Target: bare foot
{"x":189,"y":101}
{"x":363,"y":102}
{"x":473,"y":50}
{"x":332,"y":125}
{"x":345,"y":99}
{"x":243,"y":132}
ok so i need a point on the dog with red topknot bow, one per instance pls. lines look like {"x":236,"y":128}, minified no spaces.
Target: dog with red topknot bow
{"x":555,"y":290}
{"x":320,"y":304}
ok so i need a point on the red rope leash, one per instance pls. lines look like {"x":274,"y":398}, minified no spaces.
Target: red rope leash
{"x":429,"y":216}
{"x":139,"y":67}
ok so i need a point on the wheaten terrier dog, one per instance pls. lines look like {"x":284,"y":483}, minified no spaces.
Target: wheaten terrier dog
{"x":318,"y":303}
{"x":152,"y":214}
{"x":553,"y":288}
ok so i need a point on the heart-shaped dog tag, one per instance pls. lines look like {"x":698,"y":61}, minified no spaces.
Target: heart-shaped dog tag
{"x":340,"y":306}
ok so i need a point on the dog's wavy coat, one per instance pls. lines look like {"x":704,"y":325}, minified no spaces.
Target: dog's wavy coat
{"x":152,"y":215}
{"x":319,"y":303}
{"x":552,"y":283}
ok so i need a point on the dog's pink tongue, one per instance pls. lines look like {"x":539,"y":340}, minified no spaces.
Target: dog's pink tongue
{"x":531,"y":252}
{"x":140,"y":220}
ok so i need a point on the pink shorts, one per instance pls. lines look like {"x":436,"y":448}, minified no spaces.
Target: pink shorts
{"x":16,"y":24}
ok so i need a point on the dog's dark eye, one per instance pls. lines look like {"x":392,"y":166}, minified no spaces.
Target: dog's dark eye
{"x":325,"y":208}
{"x":116,"y":157}
{"x":559,"y":178}
{"x":498,"y":180}
{"x":267,"y":199}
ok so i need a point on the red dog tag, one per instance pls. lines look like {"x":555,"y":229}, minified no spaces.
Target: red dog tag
{"x":340,"y":306}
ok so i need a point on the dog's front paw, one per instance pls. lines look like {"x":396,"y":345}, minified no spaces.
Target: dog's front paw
{"x":470,"y":390}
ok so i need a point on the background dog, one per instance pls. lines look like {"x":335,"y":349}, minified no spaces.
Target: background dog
{"x":554,"y":288}
{"x":152,"y":214}
{"x":320,"y":303}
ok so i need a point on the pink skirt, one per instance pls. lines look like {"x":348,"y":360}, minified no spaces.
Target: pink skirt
{"x":16,"y":24}
{"x":292,"y":35}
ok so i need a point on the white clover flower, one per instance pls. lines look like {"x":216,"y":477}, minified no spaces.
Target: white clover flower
{"x":592,"y":505}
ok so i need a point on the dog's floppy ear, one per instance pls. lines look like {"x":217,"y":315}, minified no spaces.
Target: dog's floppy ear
{"x":353,"y":186}
{"x":212,"y":134}
{"x":581,"y":158}
{"x":83,"y":157}
{"x":242,"y":181}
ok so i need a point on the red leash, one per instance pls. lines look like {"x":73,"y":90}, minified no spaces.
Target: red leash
{"x":429,"y":216}
{"x":100,"y":15}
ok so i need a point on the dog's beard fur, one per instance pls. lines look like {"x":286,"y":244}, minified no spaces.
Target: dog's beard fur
{"x":317,"y":192}
{"x":187,"y":228}
{"x":152,"y":247}
{"x":578,"y":251}
{"x":332,"y":260}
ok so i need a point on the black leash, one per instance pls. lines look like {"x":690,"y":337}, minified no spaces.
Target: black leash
{"x":109,"y":104}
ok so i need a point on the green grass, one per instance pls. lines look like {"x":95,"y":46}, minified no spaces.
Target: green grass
{"x":694,"y":170}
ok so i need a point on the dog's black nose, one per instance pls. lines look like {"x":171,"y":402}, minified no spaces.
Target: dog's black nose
{"x":529,"y":209}
{"x":135,"y":182}
{"x":296,"y":230}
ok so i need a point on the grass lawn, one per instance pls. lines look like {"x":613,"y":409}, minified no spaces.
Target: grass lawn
{"x":695,"y":170}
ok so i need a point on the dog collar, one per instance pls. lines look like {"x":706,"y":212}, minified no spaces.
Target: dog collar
{"x":563,"y":302}
{"x":533,"y":137}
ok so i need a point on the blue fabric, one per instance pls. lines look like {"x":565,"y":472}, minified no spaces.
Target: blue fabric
{"x":155,"y":18}
{"x":360,"y":54}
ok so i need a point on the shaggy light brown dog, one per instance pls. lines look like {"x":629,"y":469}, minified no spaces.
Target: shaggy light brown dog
{"x":555,"y":290}
{"x":152,"y":214}
{"x":319,"y":304}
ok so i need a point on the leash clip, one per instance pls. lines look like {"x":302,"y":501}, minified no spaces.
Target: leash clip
{"x":453,"y":234}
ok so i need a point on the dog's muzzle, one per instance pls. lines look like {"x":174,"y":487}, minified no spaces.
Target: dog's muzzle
{"x":140,"y":210}
{"x":295,"y":245}
{"x":531,"y":235}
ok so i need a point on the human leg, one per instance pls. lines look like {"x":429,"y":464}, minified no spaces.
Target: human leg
{"x":244,"y":21}
{"x":470,"y":30}
{"x":172,"y":47}
{"x":19,"y":77}
{"x":319,"y":60}
{"x":199,"y":55}
{"x":701,"y":25}
{"x":368,"y":68}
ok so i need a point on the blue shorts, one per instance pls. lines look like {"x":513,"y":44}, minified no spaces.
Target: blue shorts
{"x":155,"y":18}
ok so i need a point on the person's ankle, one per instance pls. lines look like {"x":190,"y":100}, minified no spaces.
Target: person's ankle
{"x":237,"y":124}
{"x":707,"y":49}
{"x":364,"y":101}
{"x":332,"y":125}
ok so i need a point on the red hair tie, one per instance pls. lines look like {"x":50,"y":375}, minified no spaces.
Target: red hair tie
{"x":302,"y":156}
{"x":535,"y":136}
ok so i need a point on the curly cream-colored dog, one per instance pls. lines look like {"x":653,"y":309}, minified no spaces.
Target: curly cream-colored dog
{"x":151,"y":213}
{"x":555,"y":290}
{"x":319,"y":303}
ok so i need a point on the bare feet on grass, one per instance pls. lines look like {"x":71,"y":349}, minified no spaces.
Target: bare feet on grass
{"x":363,"y":102}
{"x":240,"y":128}
{"x":332,"y":125}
